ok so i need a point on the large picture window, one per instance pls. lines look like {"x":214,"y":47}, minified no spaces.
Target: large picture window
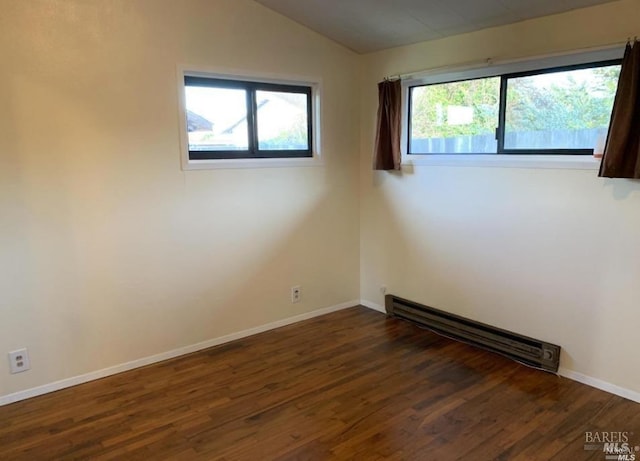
{"x":233,"y":119}
{"x":560,"y":110}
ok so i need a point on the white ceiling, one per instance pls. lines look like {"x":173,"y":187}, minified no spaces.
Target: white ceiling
{"x":371,"y":25}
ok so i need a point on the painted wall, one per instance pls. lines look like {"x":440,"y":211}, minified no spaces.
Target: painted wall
{"x":553,"y":254}
{"x":109,"y":252}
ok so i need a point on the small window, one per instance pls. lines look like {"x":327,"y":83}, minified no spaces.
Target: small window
{"x":233,"y":119}
{"x":560,"y":110}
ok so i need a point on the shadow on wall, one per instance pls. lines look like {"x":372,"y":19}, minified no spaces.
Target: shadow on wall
{"x":622,"y":189}
{"x":491,"y":246}
{"x":258,"y":268}
{"x":104,"y":256}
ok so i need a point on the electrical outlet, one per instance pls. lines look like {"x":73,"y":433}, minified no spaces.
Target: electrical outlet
{"x":383,"y":289}
{"x":296,"y":294}
{"x":19,"y":361}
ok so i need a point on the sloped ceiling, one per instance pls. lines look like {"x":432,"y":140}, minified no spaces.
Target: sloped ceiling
{"x":371,"y":25}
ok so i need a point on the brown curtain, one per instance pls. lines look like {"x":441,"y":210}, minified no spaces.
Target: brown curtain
{"x":622,"y":150}
{"x":387,"y":149}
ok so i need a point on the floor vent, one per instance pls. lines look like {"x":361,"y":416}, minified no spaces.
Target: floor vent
{"x":529,"y":351}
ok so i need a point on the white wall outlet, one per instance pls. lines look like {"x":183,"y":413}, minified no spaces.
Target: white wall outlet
{"x":19,"y":361}
{"x":296,"y":294}
{"x":383,"y":289}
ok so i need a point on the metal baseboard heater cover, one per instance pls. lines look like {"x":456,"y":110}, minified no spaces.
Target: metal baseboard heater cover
{"x":529,"y":351}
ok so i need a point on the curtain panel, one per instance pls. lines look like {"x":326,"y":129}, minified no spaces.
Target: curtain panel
{"x":388,"y":132}
{"x":622,"y":150}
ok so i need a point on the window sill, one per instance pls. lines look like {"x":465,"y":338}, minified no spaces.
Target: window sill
{"x":251,"y":163}
{"x":567,"y":162}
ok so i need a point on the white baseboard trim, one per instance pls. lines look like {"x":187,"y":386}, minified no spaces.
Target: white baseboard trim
{"x":372,"y":305}
{"x":74,"y":381}
{"x":599,"y":384}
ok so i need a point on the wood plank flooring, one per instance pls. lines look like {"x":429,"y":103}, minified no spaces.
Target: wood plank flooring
{"x":352,"y":385}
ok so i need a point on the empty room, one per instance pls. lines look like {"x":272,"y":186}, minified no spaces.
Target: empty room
{"x":320,"y":230}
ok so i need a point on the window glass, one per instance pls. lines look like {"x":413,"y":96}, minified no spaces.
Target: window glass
{"x":216,"y":118}
{"x":282,"y":120}
{"x":236,"y":119}
{"x":560,"y":110}
{"x":455,"y":118}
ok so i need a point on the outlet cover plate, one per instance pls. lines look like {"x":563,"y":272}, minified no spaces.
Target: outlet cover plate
{"x":296,"y":294}
{"x":19,"y":361}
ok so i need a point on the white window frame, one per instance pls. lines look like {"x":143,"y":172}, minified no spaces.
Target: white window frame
{"x":231,"y":74}
{"x":577,"y":162}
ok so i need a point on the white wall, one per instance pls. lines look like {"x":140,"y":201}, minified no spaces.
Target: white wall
{"x":108,"y":251}
{"x":553,"y":254}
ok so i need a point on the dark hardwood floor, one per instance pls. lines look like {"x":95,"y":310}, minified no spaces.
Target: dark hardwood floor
{"x":349,"y":385}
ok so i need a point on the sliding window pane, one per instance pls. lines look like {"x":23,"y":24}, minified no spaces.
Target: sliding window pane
{"x":455,"y":118}
{"x":283,"y":122}
{"x":217,"y":118}
{"x":560,"y":110}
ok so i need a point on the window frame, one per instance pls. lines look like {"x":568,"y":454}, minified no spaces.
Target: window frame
{"x":253,"y":150}
{"x":538,"y":158}
{"x":313,"y":89}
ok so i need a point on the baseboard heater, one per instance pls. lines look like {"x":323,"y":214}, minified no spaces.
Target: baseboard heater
{"x":529,"y":351}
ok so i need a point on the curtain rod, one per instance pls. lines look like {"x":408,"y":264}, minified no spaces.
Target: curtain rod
{"x":491,"y":61}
